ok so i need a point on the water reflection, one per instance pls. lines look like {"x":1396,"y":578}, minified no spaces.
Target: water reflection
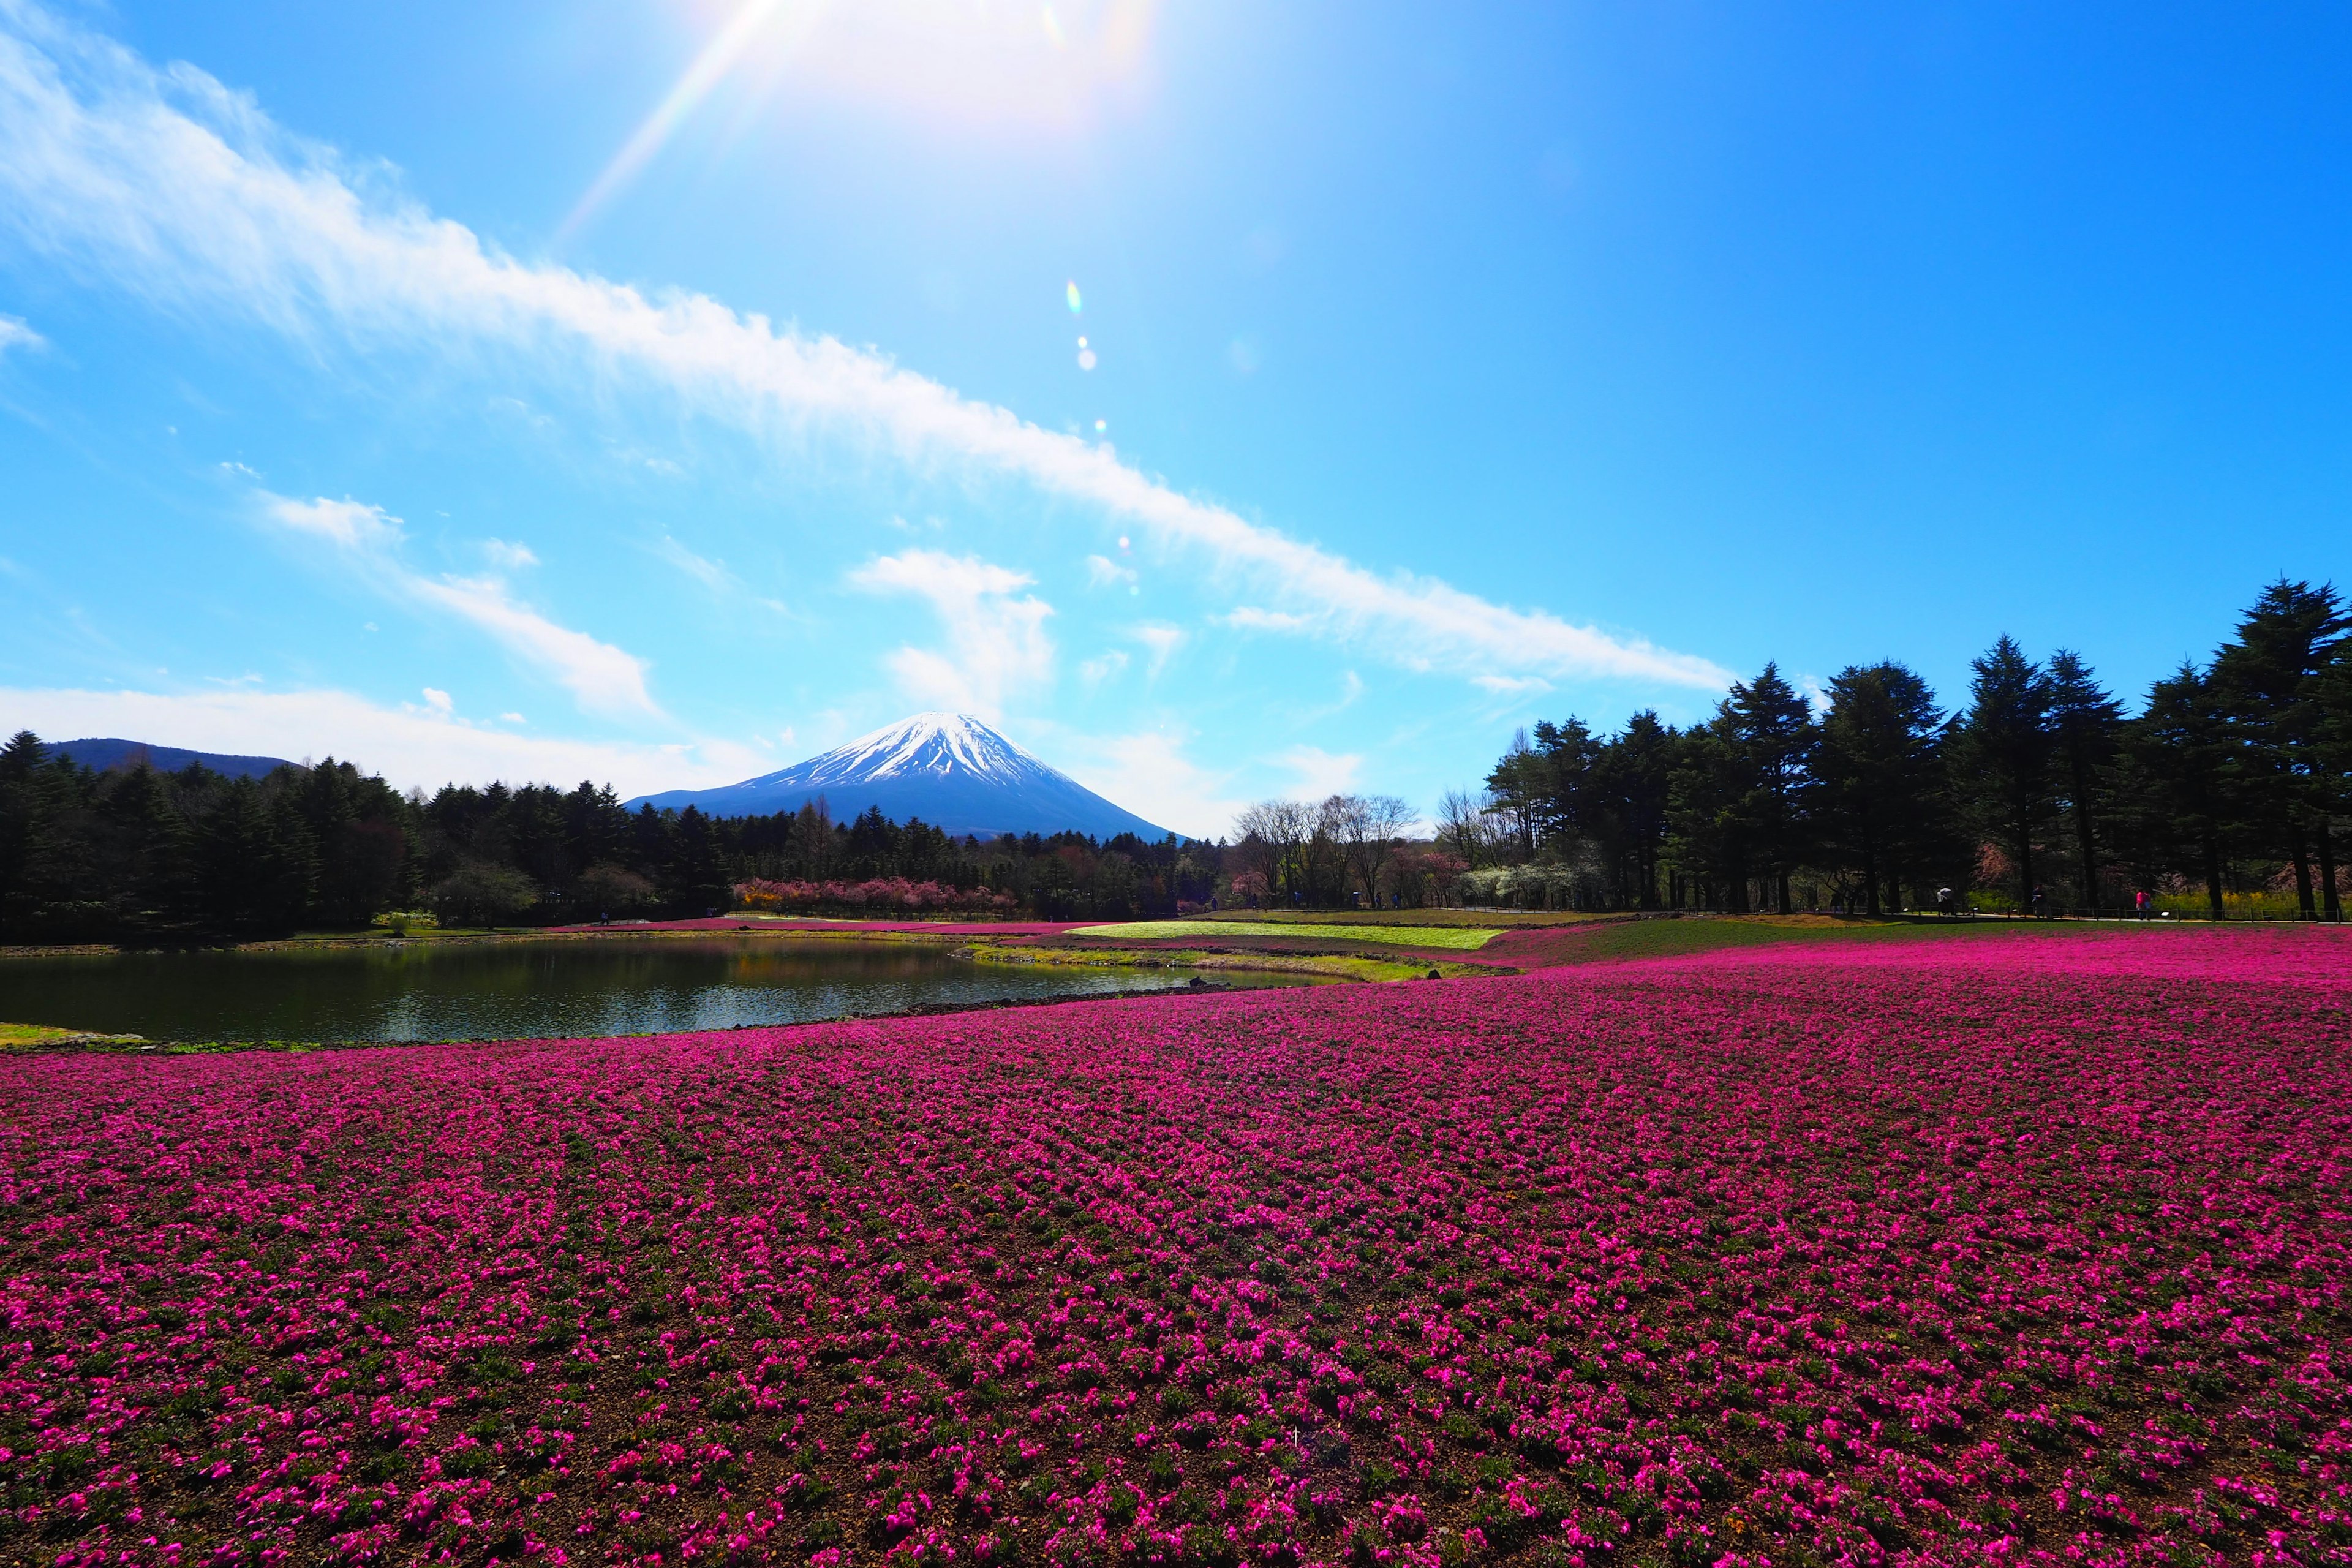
{"x":610,"y":986}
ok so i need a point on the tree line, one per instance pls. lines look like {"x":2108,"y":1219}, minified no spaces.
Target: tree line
{"x":2230,"y":778}
{"x":138,"y":855}
{"x":2040,"y":791}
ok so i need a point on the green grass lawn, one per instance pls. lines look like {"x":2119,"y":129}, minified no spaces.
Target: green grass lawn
{"x":1463,"y":937}
{"x":19,"y":1036}
{"x":1674,"y":938}
{"x":1501,"y":918}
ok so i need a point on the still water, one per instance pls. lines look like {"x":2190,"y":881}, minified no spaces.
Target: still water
{"x":607,"y":986}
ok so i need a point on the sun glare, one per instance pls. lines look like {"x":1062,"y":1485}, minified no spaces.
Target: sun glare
{"x":987,"y":62}
{"x":963,"y":65}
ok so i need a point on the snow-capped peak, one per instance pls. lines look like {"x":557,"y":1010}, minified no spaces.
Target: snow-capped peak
{"x":927,"y":744}
{"x":947,"y":769}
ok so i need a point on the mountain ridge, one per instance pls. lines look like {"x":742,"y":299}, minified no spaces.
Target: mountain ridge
{"x":110,"y":752}
{"x":950,"y":770}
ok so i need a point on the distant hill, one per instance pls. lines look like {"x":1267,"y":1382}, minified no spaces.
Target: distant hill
{"x":110,"y":753}
{"x":948,"y":769}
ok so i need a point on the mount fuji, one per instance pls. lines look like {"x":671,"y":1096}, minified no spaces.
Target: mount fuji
{"x":948,"y":769}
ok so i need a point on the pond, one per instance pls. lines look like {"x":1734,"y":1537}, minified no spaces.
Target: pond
{"x":514,"y":990}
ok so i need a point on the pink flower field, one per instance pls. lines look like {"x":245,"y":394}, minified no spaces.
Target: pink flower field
{"x":1989,"y":1251}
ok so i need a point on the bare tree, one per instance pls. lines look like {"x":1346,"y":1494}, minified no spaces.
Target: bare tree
{"x":1367,"y":827}
{"x":1274,"y":835}
{"x":1471,"y":829}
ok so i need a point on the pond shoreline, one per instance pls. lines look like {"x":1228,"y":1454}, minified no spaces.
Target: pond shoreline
{"x":85,"y":1042}
{"x":550,"y":986}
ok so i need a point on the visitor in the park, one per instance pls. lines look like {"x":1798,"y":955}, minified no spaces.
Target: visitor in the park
{"x":1943,"y":901}
{"x":2140,"y":902}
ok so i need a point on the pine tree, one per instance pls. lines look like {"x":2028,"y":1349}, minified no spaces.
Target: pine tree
{"x":1636,"y":771}
{"x":2268,"y":685}
{"x":1879,"y":796}
{"x":2181,"y":747}
{"x":2004,"y":755}
{"x":2085,"y":723}
{"x":1772,"y":726}
{"x":156,"y":872}
{"x":1706,"y":811}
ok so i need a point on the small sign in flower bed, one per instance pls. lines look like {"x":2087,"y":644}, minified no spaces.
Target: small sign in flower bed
{"x":1690,"y":1262}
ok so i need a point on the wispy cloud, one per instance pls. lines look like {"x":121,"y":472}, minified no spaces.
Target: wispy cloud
{"x":715,"y":576}
{"x":1150,"y":774}
{"x":712,"y":575}
{"x":600,"y":678}
{"x":1162,"y":641}
{"x":16,"y":334}
{"x":996,"y":642}
{"x":412,"y":744}
{"x":185,"y":194}
{"x":349,"y":524}
{"x":1319,"y":773}
{"x":506,"y":557}
{"x":1254,"y":618}
{"x":1102,"y":572}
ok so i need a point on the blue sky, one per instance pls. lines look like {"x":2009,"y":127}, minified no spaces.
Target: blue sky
{"x":661,"y":391}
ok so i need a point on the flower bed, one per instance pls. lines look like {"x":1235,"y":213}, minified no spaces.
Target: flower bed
{"x":882,"y":895}
{"x":1686,"y":1262}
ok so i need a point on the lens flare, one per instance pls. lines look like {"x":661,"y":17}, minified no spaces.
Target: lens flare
{"x":718,"y":58}
{"x":1070,"y":292}
{"x":961,"y":63}
{"x":1086,"y":359}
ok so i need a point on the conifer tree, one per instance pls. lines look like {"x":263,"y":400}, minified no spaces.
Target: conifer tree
{"x":2268,"y":685}
{"x":1878,"y":794}
{"x":2003,"y":754}
{"x":2084,"y":723}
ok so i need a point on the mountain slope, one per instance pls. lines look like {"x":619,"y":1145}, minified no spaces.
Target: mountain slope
{"x":102,"y":754}
{"x":948,"y":769}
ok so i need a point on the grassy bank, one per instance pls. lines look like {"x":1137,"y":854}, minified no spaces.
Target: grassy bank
{"x":39,"y":1037}
{"x":1331,"y":965}
{"x":1464,"y":938}
{"x":1498,"y":920}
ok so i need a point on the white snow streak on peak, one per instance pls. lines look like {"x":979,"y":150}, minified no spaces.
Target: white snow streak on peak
{"x":929,"y":742}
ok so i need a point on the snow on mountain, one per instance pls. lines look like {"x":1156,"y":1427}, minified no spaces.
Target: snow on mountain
{"x":948,"y":769}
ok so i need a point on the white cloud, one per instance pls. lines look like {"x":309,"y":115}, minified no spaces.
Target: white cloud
{"x":712,"y":575}
{"x":600,"y":678}
{"x":1102,"y":572}
{"x":187,"y":194}
{"x":1095,"y":671}
{"x":506,"y":557}
{"x":1249,"y":617}
{"x":1162,"y":640}
{"x":512,"y":718}
{"x":1512,"y":685}
{"x":996,"y":644}
{"x":438,"y":701}
{"x":1148,"y":773}
{"x":16,"y":334}
{"x":412,"y":745}
{"x":350,"y":524}
{"x":715,"y":576}
{"x":1319,"y":773}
